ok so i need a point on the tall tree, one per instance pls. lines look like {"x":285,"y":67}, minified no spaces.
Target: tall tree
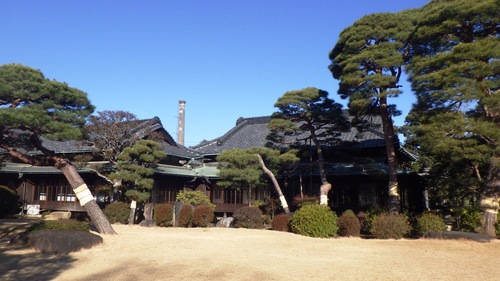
{"x":135,"y":169}
{"x":246,"y":167}
{"x":310,"y":114}
{"x":32,"y":106}
{"x":368,"y":60}
{"x":454,"y":69}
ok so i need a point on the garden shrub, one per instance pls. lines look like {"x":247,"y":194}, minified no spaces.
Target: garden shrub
{"x":349,"y":224}
{"x":186,"y":215}
{"x":62,"y":224}
{"x":163,"y":214}
{"x":314,"y":221}
{"x":281,"y":223}
{"x":469,"y":219}
{"x":194,"y":198}
{"x":9,"y":204}
{"x":299,"y":201}
{"x":370,"y":214}
{"x":203,"y":215}
{"x":117,"y":212}
{"x":248,"y":217}
{"x":385,"y":226}
{"x":429,"y":222}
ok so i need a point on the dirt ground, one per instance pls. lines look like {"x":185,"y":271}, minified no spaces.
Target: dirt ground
{"x":139,"y":253}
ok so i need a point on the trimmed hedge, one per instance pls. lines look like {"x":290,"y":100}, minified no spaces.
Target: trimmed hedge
{"x":203,"y":215}
{"x":163,"y":214}
{"x":349,"y":224}
{"x":117,"y":212}
{"x":248,"y":217}
{"x":386,"y":226}
{"x":62,"y":224}
{"x":314,"y":221}
{"x":281,"y":223}
{"x":186,"y":215}
{"x":429,"y":222}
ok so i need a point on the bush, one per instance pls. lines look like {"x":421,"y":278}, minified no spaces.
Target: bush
{"x":314,"y":221}
{"x":186,"y":215}
{"x":163,"y":214}
{"x":62,"y":224}
{"x":248,"y":217}
{"x":349,"y":224}
{"x":117,"y":212}
{"x":281,"y":223}
{"x":429,"y":222}
{"x":299,"y":201}
{"x":9,"y":204}
{"x":385,"y":226}
{"x":203,"y":215}
{"x":469,"y":219}
{"x":194,"y":198}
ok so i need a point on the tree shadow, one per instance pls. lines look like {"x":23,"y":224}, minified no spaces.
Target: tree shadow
{"x":19,"y":263}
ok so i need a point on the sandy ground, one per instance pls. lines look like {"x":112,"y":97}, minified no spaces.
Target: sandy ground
{"x":139,"y":253}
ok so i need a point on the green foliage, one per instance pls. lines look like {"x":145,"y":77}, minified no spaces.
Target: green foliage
{"x":62,"y":224}
{"x":386,"y":226}
{"x":248,"y":217}
{"x":468,"y":218}
{"x":314,"y":221}
{"x":281,"y":223}
{"x":9,"y":204}
{"x":349,"y":224}
{"x":135,"y":168}
{"x":194,"y":198}
{"x":117,"y":212}
{"x":186,"y":215}
{"x":42,"y":106}
{"x":300,"y":201}
{"x":163,"y":214}
{"x":429,"y":222}
{"x":203,"y":215}
{"x":239,"y":168}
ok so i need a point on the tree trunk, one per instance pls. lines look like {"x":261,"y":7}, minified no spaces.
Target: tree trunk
{"x":84,"y":197}
{"x":489,"y":199}
{"x":325,"y":185}
{"x":133,"y":207}
{"x":275,"y":183}
{"x":394,"y":203}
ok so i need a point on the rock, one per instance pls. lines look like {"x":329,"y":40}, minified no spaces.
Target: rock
{"x":58,"y":215}
{"x":62,"y":242}
{"x":225,"y":222}
{"x":147,"y":223}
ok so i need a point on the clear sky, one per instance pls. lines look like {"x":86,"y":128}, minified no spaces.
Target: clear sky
{"x":226,"y":59}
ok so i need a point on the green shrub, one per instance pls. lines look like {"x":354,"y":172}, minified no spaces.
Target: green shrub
{"x":281,"y":223}
{"x":9,"y":204}
{"x":62,"y":224}
{"x":348,"y":224}
{"x":163,"y":214}
{"x":371,"y":213}
{"x":186,"y":215}
{"x":314,"y":221}
{"x":194,"y":198}
{"x":429,"y":222}
{"x":385,"y":226}
{"x":248,"y":217}
{"x":299,"y":201}
{"x":117,"y":212}
{"x":203,"y":215}
{"x":469,"y":219}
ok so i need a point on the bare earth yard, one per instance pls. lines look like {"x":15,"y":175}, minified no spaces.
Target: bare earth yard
{"x":139,"y":253}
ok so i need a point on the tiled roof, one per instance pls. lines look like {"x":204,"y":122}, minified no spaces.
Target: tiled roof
{"x":252,"y":132}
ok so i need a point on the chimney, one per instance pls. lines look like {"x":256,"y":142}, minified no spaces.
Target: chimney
{"x":180,"y":128}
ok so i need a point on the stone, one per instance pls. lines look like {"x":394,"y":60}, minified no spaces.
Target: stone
{"x":62,"y":242}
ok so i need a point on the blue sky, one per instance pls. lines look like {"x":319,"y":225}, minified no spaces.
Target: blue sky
{"x":226,"y":59}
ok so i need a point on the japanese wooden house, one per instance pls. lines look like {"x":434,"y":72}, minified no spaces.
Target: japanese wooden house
{"x":356,"y":167}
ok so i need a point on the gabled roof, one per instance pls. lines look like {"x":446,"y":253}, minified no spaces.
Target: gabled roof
{"x":252,"y":132}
